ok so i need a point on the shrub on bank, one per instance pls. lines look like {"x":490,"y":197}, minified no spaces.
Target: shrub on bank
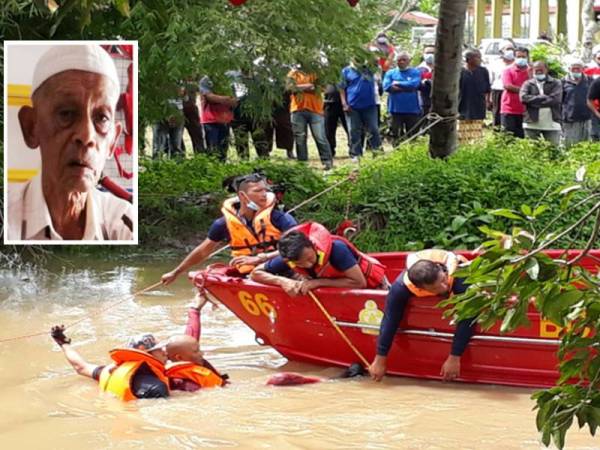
{"x":409,"y":201}
{"x":179,"y":199}
{"x":402,"y":201}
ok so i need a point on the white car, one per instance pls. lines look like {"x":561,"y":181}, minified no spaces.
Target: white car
{"x":490,"y":48}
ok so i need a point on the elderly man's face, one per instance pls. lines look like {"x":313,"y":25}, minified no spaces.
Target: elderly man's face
{"x":73,"y":123}
{"x":475,"y":59}
{"x":576,"y":68}
{"x":540,"y":69}
{"x":403,"y":62}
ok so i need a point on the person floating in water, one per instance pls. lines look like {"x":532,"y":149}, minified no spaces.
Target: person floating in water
{"x":143,"y":370}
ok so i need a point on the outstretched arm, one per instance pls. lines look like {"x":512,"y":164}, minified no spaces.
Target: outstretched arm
{"x":263,"y":274}
{"x":81,"y":366}
{"x":198,"y":255}
{"x":194,"y":327}
{"x":353,"y":278}
{"x":462,"y":335}
{"x":395,"y":303}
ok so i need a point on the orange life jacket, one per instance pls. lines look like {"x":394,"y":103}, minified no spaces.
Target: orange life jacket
{"x":200,"y":375}
{"x":116,"y":378}
{"x":246,"y":241}
{"x":322,"y":241}
{"x":448,"y":259}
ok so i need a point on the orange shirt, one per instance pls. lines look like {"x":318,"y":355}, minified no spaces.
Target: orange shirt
{"x":305,"y":101}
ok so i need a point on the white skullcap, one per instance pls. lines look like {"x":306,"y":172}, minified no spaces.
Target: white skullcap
{"x":89,"y":58}
{"x":596,"y":49}
{"x":575,"y":61}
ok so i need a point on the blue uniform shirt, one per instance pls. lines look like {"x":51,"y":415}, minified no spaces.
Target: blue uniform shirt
{"x":407,"y":100}
{"x":359,"y":86}
{"x":395,"y":303}
{"x":341,"y":258}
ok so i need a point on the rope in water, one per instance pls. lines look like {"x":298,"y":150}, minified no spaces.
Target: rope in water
{"x":86,"y":316}
{"x":352,"y":177}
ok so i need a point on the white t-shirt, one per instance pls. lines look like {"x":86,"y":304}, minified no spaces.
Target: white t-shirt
{"x":107,"y":217}
{"x":496,"y":70}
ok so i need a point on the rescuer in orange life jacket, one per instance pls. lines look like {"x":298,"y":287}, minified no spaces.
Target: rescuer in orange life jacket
{"x":311,"y":257}
{"x":136,"y":372}
{"x":429,"y":273}
{"x":251,"y":224}
{"x":142,"y":371}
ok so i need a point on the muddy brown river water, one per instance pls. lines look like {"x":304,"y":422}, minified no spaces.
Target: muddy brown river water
{"x":45,"y":405}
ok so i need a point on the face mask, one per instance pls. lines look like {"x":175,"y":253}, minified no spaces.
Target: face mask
{"x":253,"y":206}
{"x":382,"y":41}
{"x":521,"y":62}
{"x":540,"y":76}
{"x":575,"y":75}
{"x":509,"y":55}
{"x":428,"y":58}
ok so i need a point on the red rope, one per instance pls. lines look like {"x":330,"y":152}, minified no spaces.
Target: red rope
{"x":72,"y":324}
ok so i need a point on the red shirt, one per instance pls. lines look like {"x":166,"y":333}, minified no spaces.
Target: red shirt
{"x":215,"y":113}
{"x":511,"y":104}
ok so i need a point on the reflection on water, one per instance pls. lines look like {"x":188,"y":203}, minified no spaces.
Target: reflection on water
{"x":45,"y":405}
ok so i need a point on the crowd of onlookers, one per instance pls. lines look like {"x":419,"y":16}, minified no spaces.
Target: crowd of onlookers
{"x":529,"y":101}
{"x":525,"y":99}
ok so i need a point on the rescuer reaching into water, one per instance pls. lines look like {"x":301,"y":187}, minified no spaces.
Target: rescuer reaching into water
{"x":429,"y":273}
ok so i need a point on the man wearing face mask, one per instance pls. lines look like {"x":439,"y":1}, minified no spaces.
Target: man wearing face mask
{"x":575,"y":113}
{"x":402,"y":84}
{"x":507,"y":57}
{"x":511,"y":107}
{"x":542,"y":97}
{"x":251,"y":224}
{"x":357,"y":93}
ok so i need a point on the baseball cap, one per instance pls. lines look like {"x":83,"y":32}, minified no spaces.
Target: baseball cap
{"x":146,"y":342}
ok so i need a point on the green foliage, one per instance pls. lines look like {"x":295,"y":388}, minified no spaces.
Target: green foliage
{"x":514,"y":275}
{"x":552,"y":55}
{"x":403,"y":201}
{"x":409,"y":201}
{"x":431,"y":7}
{"x":179,"y":199}
{"x":182,"y":40}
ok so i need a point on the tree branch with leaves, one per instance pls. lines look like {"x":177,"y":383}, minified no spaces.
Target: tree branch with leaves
{"x":514,"y":278}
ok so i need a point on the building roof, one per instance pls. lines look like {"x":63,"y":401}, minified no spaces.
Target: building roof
{"x":419,"y":18}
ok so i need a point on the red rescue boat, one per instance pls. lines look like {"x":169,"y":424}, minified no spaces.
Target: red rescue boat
{"x":297,"y":329}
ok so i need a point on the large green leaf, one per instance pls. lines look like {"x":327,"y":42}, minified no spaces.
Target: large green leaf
{"x":508,"y":213}
{"x":555,"y":308}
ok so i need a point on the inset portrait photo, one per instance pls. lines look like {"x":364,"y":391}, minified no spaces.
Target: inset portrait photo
{"x":70,"y":134}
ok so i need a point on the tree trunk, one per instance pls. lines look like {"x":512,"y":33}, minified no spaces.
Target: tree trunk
{"x":448,"y":60}
{"x":590,"y":28}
